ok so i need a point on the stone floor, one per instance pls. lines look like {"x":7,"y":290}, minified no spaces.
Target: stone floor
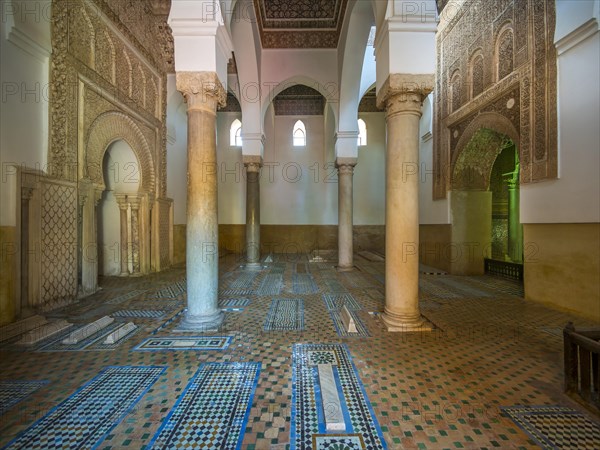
{"x":488,"y":376}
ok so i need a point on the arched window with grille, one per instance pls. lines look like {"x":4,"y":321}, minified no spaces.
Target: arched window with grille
{"x":299,"y":134}
{"x":235,"y":134}
{"x":362,"y":132}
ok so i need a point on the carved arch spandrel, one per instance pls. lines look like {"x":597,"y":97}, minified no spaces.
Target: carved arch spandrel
{"x":478,"y":148}
{"x":108,"y":128}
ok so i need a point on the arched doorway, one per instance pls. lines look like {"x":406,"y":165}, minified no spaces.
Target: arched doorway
{"x":120,"y":169}
{"x":485,"y":202}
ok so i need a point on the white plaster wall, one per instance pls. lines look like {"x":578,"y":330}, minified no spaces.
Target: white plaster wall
{"x":575,"y":196}
{"x":430,"y":211}
{"x":230,"y":170}
{"x":369,"y":173}
{"x":297,"y":185}
{"x":282,"y":68}
{"x":24,"y":50}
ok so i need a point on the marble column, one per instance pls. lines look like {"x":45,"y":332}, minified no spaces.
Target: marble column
{"x":134,"y":201}
{"x":89,"y":198}
{"x":253,"y":215}
{"x":403,"y":96}
{"x":515,"y":229}
{"x":123,"y":206}
{"x":203,"y":92}
{"x":345,"y":204}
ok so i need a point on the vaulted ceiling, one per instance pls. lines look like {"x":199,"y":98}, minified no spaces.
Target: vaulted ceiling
{"x":300,"y":23}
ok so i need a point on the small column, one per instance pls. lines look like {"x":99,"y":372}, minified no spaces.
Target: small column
{"x":89,"y":198}
{"x":134,"y":201}
{"x":123,"y":206}
{"x":403,"y":97}
{"x":515,"y":229}
{"x":345,"y":221}
{"x":203,"y":92}
{"x":253,"y":215}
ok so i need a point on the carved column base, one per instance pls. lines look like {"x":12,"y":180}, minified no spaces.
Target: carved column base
{"x":201,"y":323}
{"x":405,"y":323}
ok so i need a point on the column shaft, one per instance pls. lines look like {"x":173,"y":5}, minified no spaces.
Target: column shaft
{"x":253,"y":215}
{"x":202,"y":92}
{"x":124,"y":243}
{"x":345,"y":219}
{"x":135,"y":235}
{"x":402,"y":213}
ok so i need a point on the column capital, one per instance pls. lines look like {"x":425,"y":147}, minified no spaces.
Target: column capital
{"x":134,"y":201}
{"x":252,"y":163}
{"x":345,"y":165}
{"x":405,"y":91}
{"x":26,"y":193}
{"x":122,"y":201}
{"x":202,"y":91}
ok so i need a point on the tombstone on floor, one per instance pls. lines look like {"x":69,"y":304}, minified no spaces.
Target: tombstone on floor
{"x":43,"y":332}
{"x":348,"y":320}
{"x":87,"y":330}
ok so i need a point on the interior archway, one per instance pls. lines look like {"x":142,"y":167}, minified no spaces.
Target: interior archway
{"x":120,"y":170}
{"x":485,"y":203}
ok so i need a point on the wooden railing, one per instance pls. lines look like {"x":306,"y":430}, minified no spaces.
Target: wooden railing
{"x":504,"y":269}
{"x":582,"y":371}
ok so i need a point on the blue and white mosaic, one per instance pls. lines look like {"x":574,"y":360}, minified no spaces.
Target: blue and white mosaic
{"x":333,"y":285}
{"x":244,"y":280}
{"x":125,"y":297}
{"x":553,"y":427}
{"x":185,"y":343}
{"x":285,"y":314}
{"x":271,"y":284}
{"x":361,"y":329}
{"x":85,"y":418}
{"x":213,"y":410}
{"x":338,"y":301}
{"x":13,"y":391}
{"x":140,"y":313}
{"x":304,"y":283}
{"x":308,"y":417}
{"x":233,"y":302}
{"x":338,"y":442}
{"x":170,"y":291}
{"x":235,"y":292}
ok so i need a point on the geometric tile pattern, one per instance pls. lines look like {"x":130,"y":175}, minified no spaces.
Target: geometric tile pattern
{"x":233,"y":302}
{"x":361,"y":329}
{"x":333,"y":285}
{"x":244,"y":280}
{"x":58,"y":256}
{"x":143,"y":313}
{"x":168,"y":322}
{"x":303,"y":283}
{"x":13,"y":391}
{"x":84,"y":418}
{"x":184,"y":343}
{"x":338,"y":301}
{"x":213,"y":409}
{"x":285,"y":314}
{"x":271,"y":284}
{"x":171,"y":291}
{"x":338,"y":441}
{"x":307,"y":413}
{"x":125,"y":297}
{"x":234,"y":292}
{"x":556,"y":426}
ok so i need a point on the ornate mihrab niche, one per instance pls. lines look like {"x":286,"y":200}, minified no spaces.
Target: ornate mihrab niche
{"x":496,"y":69}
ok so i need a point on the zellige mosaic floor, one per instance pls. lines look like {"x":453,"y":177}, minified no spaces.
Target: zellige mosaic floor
{"x":481,"y":379}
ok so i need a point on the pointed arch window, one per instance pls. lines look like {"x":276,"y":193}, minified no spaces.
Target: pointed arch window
{"x":299,"y":135}
{"x":362,"y":132}
{"x":235,"y":134}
